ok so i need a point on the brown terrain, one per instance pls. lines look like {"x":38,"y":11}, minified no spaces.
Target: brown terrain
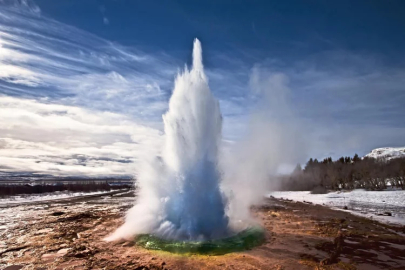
{"x":69,"y":235}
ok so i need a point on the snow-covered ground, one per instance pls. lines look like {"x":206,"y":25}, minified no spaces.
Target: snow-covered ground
{"x":360,"y":202}
{"x":24,"y":198}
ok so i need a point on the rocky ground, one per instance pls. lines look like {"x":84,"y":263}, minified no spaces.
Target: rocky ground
{"x":68,"y":235}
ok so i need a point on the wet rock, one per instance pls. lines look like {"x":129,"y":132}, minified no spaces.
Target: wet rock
{"x":63,"y":251}
{"x":127,"y":244}
{"x":309,"y":257}
{"x":336,"y":251}
{"x":14,"y":267}
{"x":76,"y":217}
{"x":142,"y":267}
{"x":49,"y":257}
{"x":13,"y":249}
{"x":47,"y":230}
{"x":387,"y":214}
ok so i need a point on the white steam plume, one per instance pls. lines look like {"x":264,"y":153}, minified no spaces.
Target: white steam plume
{"x":180,"y":193}
{"x":272,"y":141}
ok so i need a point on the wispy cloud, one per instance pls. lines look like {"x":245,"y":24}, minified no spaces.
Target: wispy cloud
{"x":40,"y":57}
{"x":43,"y":137}
{"x":74,"y":103}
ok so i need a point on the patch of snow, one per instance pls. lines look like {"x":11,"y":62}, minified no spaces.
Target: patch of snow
{"x":24,"y":198}
{"x":387,"y":153}
{"x":359,"y":202}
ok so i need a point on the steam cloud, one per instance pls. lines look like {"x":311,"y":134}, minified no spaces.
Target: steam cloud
{"x":188,"y":193}
{"x":273,"y":141}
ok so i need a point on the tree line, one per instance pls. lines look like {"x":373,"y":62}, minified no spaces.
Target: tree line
{"x":347,"y":173}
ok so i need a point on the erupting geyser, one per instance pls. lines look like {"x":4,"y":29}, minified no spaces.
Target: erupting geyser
{"x":180,"y":196}
{"x":193,"y":206}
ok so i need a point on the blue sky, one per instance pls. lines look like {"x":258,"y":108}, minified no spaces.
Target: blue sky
{"x":267,"y":28}
{"x":86,"y":82}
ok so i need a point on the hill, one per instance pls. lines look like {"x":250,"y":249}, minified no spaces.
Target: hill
{"x":387,"y":153}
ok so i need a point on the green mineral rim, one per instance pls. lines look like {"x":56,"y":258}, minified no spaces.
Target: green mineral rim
{"x":244,"y":240}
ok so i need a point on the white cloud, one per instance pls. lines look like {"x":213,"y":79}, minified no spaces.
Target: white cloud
{"x":80,"y":94}
{"x":40,"y":57}
{"x":67,"y":140}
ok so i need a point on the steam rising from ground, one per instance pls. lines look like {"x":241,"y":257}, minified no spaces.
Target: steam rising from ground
{"x":273,"y":142}
{"x":187,"y":193}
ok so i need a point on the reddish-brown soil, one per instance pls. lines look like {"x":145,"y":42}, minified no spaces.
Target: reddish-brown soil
{"x":299,"y":236}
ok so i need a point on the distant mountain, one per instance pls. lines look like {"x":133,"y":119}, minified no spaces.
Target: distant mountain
{"x":387,"y":153}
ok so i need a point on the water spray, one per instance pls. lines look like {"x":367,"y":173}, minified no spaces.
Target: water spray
{"x":180,"y":205}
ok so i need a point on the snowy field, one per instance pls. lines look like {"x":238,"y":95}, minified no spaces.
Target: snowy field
{"x":371,"y":204}
{"x":51,"y":196}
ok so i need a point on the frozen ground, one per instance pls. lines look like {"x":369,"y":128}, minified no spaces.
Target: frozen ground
{"x":51,"y":196}
{"x":69,"y":233}
{"x":372,"y":204}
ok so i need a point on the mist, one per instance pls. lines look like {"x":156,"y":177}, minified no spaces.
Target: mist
{"x":199,"y":190}
{"x":273,"y":142}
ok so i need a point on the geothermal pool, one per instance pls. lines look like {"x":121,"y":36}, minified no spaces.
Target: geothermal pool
{"x":243,"y":240}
